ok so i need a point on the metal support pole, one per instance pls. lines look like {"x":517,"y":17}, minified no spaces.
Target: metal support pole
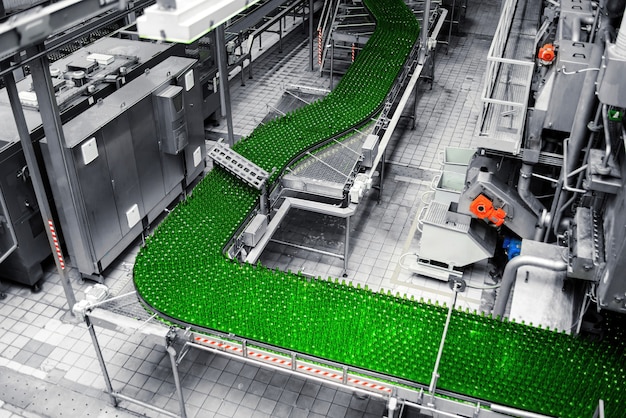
{"x":332,"y":56}
{"x":179,"y":389}
{"x":382,"y":177}
{"x":424,"y":33}
{"x":346,"y":248}
{"x":451,"y":23}
{"x":311,"y":36}
{"x":264,"y":200}
{"x":435,"y":377}
{"x":220,"y":45}
{"x":280,"y":35}
{"x":47,"y":113}
{"x":103,"y":367}
{"x":414,"y":116}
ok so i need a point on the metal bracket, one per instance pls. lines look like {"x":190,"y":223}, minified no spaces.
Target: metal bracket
{"x":457,"y":284}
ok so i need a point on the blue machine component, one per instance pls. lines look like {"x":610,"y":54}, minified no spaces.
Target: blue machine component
{"x":512,"y":247}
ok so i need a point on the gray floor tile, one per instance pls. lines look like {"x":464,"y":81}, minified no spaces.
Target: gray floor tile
{"x":288,"y":397}
{"x":282,"y":410}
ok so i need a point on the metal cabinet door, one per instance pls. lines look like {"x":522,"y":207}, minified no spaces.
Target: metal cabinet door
{"x":147,"y":154}
{"x":98,"y":199}
{"x":195,"y":150}
{"x":118,"y":143}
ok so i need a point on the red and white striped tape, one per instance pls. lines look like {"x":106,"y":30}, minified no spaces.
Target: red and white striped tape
{"x":319,"y":372}
{"x":368,"y":384}
{"x":275,"y":360}
{"x":55,"y":239}
{"x":319,"y":47}
{"x":353,"y":51}
{"x":218,"y":344}
{"x":286,"y":363}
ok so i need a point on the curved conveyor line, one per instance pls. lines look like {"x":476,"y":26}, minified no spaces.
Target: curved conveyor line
{"x":182,"y":274}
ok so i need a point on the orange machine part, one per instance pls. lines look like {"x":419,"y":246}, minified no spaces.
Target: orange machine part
{"x":546,"y":53}
{"x":483,"y":208}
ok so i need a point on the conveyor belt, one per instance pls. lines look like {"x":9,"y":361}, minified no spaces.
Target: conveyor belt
{"x":181,"y":273}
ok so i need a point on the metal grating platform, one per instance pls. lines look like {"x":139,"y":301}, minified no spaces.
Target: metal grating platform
{"x":437,"y":214}
{"x":239,"y":166}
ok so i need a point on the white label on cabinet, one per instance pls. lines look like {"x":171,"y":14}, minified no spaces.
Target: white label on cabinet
{"x":189,"y":82}
{"x":132,"y":215}
{"x":197,"y":157}
{"x":89,"y":150}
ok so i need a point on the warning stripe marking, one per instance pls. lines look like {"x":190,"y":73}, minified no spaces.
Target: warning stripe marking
{"x":287,"y":363}
{"x":57,"y":247}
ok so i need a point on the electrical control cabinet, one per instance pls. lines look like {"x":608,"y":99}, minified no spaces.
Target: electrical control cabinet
{"x":125,"y":168}
{"x":170,"y":118}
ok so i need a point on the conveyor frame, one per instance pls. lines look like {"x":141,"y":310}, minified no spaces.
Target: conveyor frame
{"x":125,"y":315}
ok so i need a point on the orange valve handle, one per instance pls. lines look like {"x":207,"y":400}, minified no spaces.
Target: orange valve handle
{"x":546,"y":54}
{"x":481,"y":207}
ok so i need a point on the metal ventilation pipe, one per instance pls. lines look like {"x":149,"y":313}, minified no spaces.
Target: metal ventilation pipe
{"x":510,"y":272}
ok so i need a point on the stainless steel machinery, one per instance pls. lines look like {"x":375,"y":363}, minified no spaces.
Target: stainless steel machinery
{"x":547,"y":177}
{"x":128,"y":157}
{"x":121,"y":61}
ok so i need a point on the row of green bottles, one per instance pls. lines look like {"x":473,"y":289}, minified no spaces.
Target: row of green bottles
{"x":182,"y":273}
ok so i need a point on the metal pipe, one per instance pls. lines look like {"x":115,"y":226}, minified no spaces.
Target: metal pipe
{"x":103,"y":367}
{"x":346,"y":248}
{"x":584,"y":110}
{"x":311,"y":37}
{"x":510,"y":272}
{"x":144,"y":404}
{"x":516,"y":412}
{"x":431,"y":409}
{"x":607,"y":136}
{"x":523,"y":188}
{"x":179,"y":389}
{"x":566,"y":174}
{"x":424,"y":32}
{"x":304,"y":247}
{"x":332,"y":58}
{"x":435,"y":375}
{"x":577,"y":26}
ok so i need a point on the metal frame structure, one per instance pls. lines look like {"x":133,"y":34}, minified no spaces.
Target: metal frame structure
{"x":126,"y":316}
{"x":505,"y":103}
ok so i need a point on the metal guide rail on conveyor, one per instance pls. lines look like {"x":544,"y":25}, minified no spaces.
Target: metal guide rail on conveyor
{"x":238,"y":165}
{"x":125,"y":315}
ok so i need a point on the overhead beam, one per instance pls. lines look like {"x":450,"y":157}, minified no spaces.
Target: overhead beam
{"x":34,"y":26}
{"x":187,"y":21}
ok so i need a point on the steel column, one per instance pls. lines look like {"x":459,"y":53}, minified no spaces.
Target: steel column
{"x":222,"y":63}
{"x":332,"y":56}
{"x":47,"y":113}
{"x":435,"y":376}
{"x":424,"y":33}
{"x":179,"y":389}
{"x":311,"y":37}
{"x":103,"y":367}
{"x":346,"y":248}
